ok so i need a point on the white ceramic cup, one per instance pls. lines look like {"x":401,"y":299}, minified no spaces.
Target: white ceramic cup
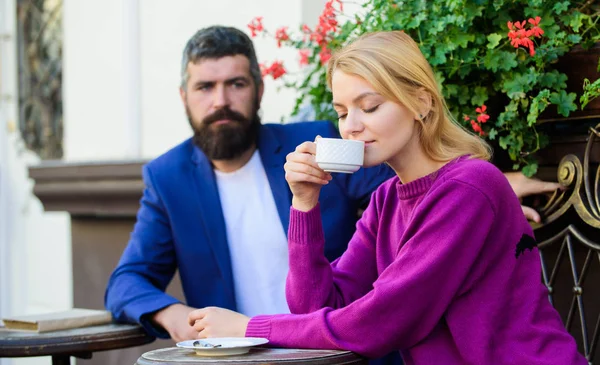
{"x":340,"y":155}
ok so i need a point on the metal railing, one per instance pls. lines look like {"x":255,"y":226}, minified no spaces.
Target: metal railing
{"x":570,"y":247}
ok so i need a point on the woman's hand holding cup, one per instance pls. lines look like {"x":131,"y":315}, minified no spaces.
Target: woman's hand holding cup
{"x":304,"y":176}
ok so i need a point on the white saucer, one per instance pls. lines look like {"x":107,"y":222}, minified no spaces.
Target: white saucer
{"x":228,"y":345}
{"x":338,"y":167}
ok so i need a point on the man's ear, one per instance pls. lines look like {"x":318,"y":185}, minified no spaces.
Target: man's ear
{"x":182,"y":94}
{"x":425,"y":103}
{"x":261,"y":89}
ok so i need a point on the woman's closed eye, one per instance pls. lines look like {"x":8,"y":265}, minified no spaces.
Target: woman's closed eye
{"x":371,"y":110}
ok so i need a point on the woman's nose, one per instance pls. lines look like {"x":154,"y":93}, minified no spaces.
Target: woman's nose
{"x":351,"y":125}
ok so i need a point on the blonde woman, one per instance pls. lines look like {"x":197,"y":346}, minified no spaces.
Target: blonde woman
{"x":443,"y":266}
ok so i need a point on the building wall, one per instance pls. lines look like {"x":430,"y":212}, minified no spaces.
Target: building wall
{"x":96,"y":111}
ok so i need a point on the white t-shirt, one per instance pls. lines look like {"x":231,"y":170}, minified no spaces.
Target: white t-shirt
{"x":257,"y":242}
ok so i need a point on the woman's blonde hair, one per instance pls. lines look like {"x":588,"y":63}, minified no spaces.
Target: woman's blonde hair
{"x":393,"y":64}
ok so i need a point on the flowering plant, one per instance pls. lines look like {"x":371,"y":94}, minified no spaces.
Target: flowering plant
{"x":495,"y":59}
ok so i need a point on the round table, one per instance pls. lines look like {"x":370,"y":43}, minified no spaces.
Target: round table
{"x":257,"y":355}
{"x":80,"y":342}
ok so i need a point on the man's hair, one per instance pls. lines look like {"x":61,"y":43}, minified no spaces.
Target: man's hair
{"x":216,"y":42}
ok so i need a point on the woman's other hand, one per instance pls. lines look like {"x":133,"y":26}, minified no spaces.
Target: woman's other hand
{"x":218,"y":322}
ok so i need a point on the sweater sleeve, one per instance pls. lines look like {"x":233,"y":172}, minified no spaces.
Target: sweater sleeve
{"x":312,"y":282}
{"x":442,"y":242}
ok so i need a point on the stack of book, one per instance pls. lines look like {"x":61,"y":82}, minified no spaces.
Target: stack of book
{"x":73,"y":318}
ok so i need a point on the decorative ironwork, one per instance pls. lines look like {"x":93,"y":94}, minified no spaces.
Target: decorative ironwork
{"x":571,"y":258}
{"x":39,"y":29}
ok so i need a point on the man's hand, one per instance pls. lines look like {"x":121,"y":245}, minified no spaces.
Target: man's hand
{"x":524,"y":186}
{"x":531,"y":214}
{"x":218,"y":322}
{"x":174,"y":319}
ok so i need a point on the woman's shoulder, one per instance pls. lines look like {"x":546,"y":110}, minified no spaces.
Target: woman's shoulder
{"x":478,"y":174}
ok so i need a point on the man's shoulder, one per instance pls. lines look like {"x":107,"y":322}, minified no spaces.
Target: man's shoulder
{"x":307,"y":130}
{"x":173,"y":158}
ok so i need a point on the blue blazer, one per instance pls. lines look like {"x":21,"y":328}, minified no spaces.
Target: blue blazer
{"x":180,"y":224}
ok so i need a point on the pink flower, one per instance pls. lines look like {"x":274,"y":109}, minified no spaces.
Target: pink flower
{"x":304,"y":54}
{"x":276,"y":70}
{"x":482,"y":117}
{"x":324,"y":55}
{"x":519,"y":36}
{"x":281,"y":35}
{"x":256,"y":26}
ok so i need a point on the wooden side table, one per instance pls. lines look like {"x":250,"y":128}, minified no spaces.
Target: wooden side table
{"x":79,"y":342}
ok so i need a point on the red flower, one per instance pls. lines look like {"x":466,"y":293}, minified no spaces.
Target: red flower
{"x":477,"y":128}
{"x":467,"y":118}
{"x":519,"y":36}
{"x":276,"y":70}
{"x":324,"y":55}
{"x":327,"y":24}
{"x":536,"y":30}
{"x":304,"y":54}
{"x":281,"y":35}
{"x":535,"y":22}
{"x":255,"y":26}
{"x":482,"y":117}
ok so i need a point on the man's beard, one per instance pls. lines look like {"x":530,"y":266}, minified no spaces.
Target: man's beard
{"x":227,"y":141}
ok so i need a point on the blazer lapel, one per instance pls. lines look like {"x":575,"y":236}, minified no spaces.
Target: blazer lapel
{"x":211,"y":215}
{"x":273,"y":159}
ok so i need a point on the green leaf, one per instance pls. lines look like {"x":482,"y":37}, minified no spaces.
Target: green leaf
{"x":500,"y":60}
{"x":574,"y":38}
{"x":590,"y":92}
{"x":553,"y":80}
{"x":492,"y":61}
{"x":416,"y":21}
{"x":564,"y":102}
{"x":530,"y":169}
{"x":492,"y":134}
{"x":538,"y":105}
{"x":450,"y":90}
{"x":462,"y":39}
{"x":505,"y":141}
{"x":480,"y":95}
{"x":576,"y":20}
{"x":439,"y":57}
{"x":493,"y":40}
{"x":560,"y":7}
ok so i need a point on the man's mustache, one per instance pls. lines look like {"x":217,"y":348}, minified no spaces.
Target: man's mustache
{"x":224,"y":113}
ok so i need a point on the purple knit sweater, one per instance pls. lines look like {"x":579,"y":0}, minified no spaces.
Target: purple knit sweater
{"x":435,"y":270}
